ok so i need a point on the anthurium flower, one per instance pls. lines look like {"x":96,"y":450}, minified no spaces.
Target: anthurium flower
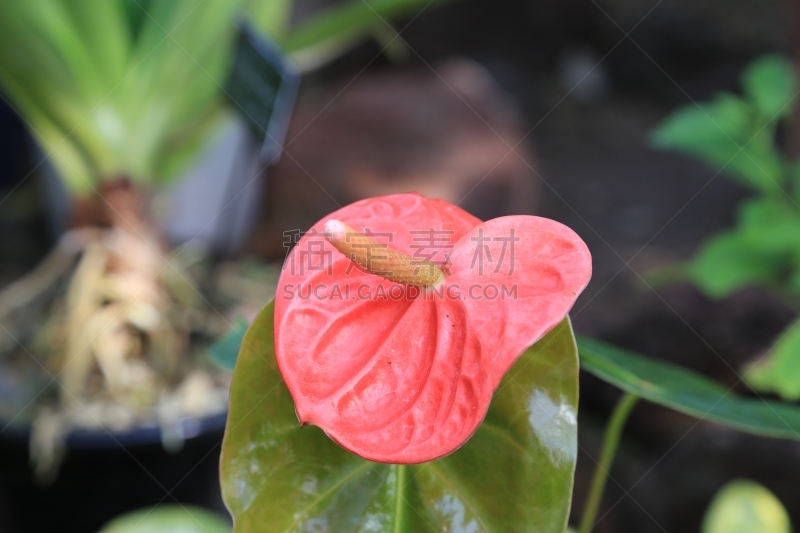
{"x":397,"y":317}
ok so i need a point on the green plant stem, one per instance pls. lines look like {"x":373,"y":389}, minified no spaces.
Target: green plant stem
{"x":610,"y":442}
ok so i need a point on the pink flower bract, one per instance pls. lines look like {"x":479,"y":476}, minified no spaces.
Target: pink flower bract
{"x":402,"y":374}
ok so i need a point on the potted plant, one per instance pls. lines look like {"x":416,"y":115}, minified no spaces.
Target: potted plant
{"x":120,"y":96}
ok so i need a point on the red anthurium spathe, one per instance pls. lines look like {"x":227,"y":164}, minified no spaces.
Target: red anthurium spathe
{"x":397,"y":317}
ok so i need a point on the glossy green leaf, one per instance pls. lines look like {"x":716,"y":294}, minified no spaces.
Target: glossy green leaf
{"x":169,"y":519}
{"x":687,"y":392}
{"x":725,"y":132}
{"x":770,"y":83}
{"x":746,"y":507}
{"x":514,"y":474}
{"x":779,"y":371}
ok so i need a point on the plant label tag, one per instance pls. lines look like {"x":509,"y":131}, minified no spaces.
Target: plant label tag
{"x":262,"y":87}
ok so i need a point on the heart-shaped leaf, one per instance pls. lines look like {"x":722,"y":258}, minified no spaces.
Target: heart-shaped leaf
{"x":514,"y":474}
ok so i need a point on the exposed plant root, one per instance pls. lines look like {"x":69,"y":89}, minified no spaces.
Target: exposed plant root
{"x":33,"y":289}
{"x":117,"y":341}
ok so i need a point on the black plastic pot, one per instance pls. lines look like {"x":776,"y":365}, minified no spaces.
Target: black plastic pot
{"x":105,"y":474}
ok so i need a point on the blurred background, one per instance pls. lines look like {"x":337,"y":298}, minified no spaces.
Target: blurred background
{"x":502,"y":106}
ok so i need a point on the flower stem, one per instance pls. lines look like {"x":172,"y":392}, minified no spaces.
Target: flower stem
{"x":610,"y":442}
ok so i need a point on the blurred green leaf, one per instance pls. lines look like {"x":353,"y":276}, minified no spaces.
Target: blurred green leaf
{"x":793,"y":281}
{"x":725,"y":133}
{"x":770,"y":82}
{"x":169,"y":519}
{"x":135,"y":15}
{"x":779,"y":370}
{"x":514,"y":474}
{"x":687,"y":392}
{"x":760,"y":250}
{"x":72,"y":163}
{"x":107,"y":105}
{"x":746,"y":507}
{"x":710,"y":130}
{"x":44,"y":86}
{"x":134,"y":87}
{"x":771,"y":225}
{"x":225,"y":351}
{"x":349,"y":19}
{"x":103,"y":28}
{"x":272,"y":16}
{"x":49,"y":22}
{"x":327,"y":33}
{"x":760,"y":163}
{"x":729,"y":261}
{"x":793,"y":172}
{"x":181,"y":57}
{"x":396,"y":50}
{"x":182,"y":146}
